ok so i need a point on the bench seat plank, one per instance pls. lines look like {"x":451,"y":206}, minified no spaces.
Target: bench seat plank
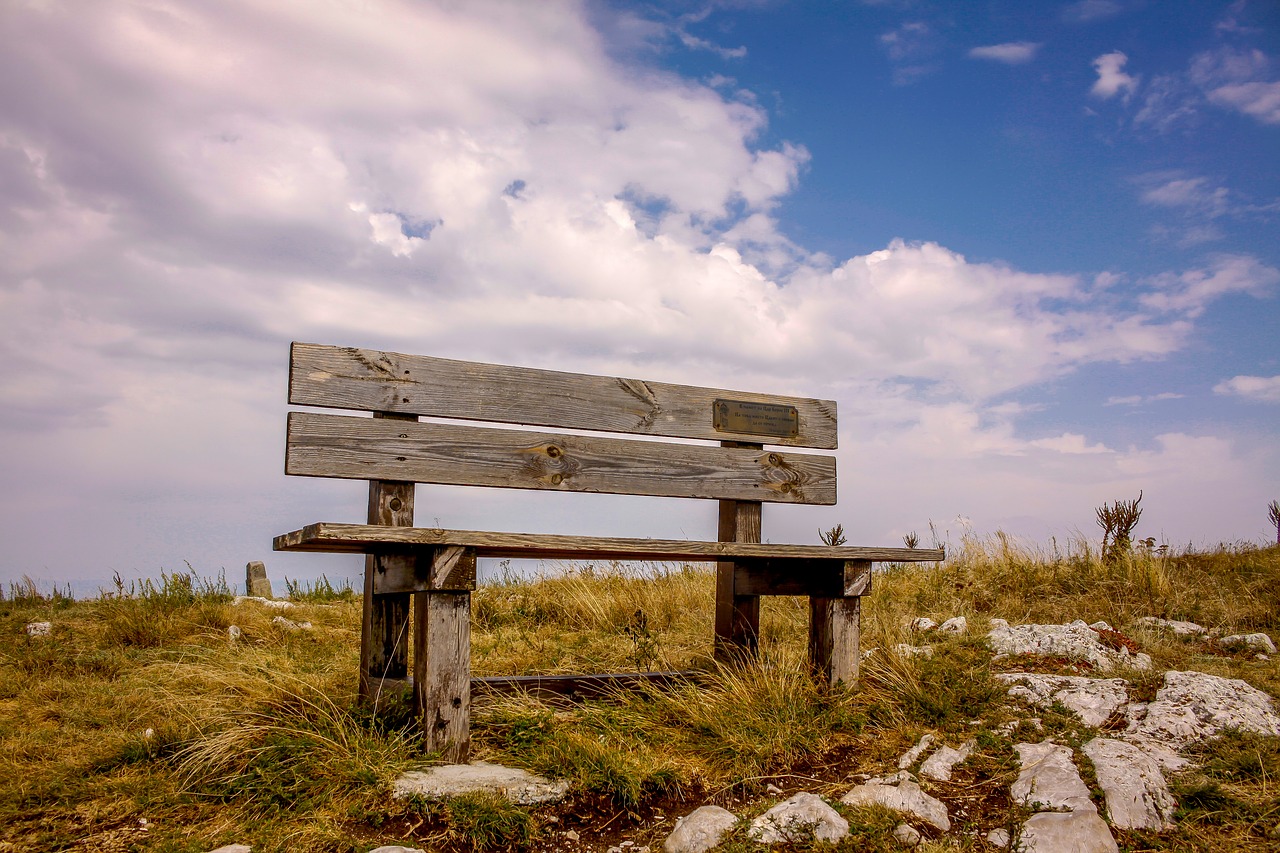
{"x":332,"y":537}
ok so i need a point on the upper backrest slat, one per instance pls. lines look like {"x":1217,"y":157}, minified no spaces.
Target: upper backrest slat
{"x":323,"y":445}
{"x":371,"y":380}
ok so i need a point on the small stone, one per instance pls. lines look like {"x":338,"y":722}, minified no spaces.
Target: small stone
{"x":571,"y":835}
{"x":773,"y":790}
{"x":627,"y":844}
{"x":923,"y":623}
{"x":912,"y":755}
{"x":938,"y":766}
{"x":907,"y":650}
{"x":1261,"y":657}
{"x":256,"y":582}
{"x":149,"y":734}
{"x":804,"y":816}
{"x":1101,"y":626}
{"x":1180,"y":629}
{"x":39,"y":629}
{"x":906,"y":835}
{"x":699,"y":830}
{"x":289,"y":625}
{"x":903,"y":798}
{"x":233,"y":848}
{"x":954,"y":625}
{"x":234,"y":634}
{"x":396,"y":848}
{"x":998,"y":837}
{"x":1253,"y":642}
{"x":614,"y":849}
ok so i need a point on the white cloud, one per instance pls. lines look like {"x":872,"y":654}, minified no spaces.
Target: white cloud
{"x":1070,"y":443}
{"x":1139,"y":399}
{"x":1190,"y":292}
{"x":1239,"y":80}
{"x":1189,"y":193}
{"x":1085,"y":11}
{"x":1010,"y":53}
{"x":1263,"y":389}
{"x":1112,"y":80}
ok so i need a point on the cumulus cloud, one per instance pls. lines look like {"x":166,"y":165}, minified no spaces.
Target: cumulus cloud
{"x":1010,"y":53}
{"x":1112,"y":79}
{"x":1263,"y":389}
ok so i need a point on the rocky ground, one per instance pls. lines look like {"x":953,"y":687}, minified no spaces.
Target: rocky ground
{"x":1134,"y":746}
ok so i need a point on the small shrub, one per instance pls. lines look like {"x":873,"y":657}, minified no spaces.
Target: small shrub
{"x":486,"y":821}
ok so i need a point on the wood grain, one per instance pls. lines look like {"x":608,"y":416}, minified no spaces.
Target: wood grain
{"x":372,"y":380}
{"x":834,"y":629}
{"x":442,"y":672}
{"x":384,"y":650}
{"x":321,"y":445}
{"x":331,"y":537}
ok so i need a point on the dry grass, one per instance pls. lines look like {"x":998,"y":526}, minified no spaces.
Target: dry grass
{"x":138,"y":708}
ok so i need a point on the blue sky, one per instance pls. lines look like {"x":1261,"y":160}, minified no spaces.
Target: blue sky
{"x":1030,"y":249}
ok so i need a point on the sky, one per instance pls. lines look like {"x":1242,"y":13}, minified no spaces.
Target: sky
{"x":1030,"y":248}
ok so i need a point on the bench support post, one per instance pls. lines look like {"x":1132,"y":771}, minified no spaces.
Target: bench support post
{"x":442,"y":672}
{"x":384,"y":640}
{"x":737,"y":628}
{"x":834,"y":638}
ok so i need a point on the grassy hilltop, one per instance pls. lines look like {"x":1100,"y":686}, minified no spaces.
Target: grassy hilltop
{"x":137,"y":724}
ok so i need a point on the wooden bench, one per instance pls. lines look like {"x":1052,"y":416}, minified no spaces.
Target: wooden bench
{"x":436,"y":568}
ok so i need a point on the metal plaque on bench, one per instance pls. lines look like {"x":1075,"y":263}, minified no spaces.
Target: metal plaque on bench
{"x":749,"y":418}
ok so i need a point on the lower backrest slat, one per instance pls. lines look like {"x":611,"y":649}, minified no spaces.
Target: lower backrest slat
{"x":322,"y":445}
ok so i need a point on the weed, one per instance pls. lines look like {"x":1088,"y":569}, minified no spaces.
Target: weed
{"x":1117,"y":521}
{"x":321,"y":591}
{"x":485,"y":821}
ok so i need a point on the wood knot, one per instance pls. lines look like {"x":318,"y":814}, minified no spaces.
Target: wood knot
{"x":554,"y":452}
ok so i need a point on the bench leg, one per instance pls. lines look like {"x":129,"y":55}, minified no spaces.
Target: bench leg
{"x":737,"y":626}
{"x":834,"y":626}
{"x":442,"y":671}
{"x":384,"y":640}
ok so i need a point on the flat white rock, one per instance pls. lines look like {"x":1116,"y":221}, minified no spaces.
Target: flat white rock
{"x":923,"y":623}
{"x":938,"y":766}
{"x":954,"y":625}
{"x":906,"y":835}
{"x":800,"y":818}
{"x":1094,"y":700}
{"x":396,"y":848}
{"x":1049,"y":779}
{"x":700,"y":830}
{"x":39,"y":629}
{"x":1253,"y":642}
{"x":1076,"y":641}
{"x":233,"y":848}
{"x":903,"y":798}
{"x":1066,"y":832}
{"x":1195,"y":706}
{"x":912,"y":755}
{"x":1180,"y":629}
{"x":1136,"y":793}
{"x":518,"y":786}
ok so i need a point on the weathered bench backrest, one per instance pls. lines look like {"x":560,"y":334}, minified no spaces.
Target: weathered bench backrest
{"x":397,"y":447}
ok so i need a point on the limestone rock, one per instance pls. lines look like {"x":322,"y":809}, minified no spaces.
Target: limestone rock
{"x":922,"y":624}
{"x":38,"y":629}
{"x":1058,"y":832}
{"x":1253,"y":642}
{"x":804,"y":816}
{"x":1076,"y":641}
{"x":265,"y":602}
{"x":1137,"y":795}
{"x":998,"y":837}
{"x":234,"y":634}
{"x":907,"y":650}
{"x":911,"y":756}
{"x":939,"y":765}
{"x":906,"y":835}
{"x":233,"y":848}
{"x":1094,"y":700}
{"x":395,"y":848}
{"x":289,"y":625}
{"x":1049,"y":778}
{"x":1180,"y":629}
{"x":256,"y":582}
{"x":954,"y":625}
{"x":518,"y":786}
{"x":699,"y":830}
{"x":1194,"y":706}
{"x":903,"y":798}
